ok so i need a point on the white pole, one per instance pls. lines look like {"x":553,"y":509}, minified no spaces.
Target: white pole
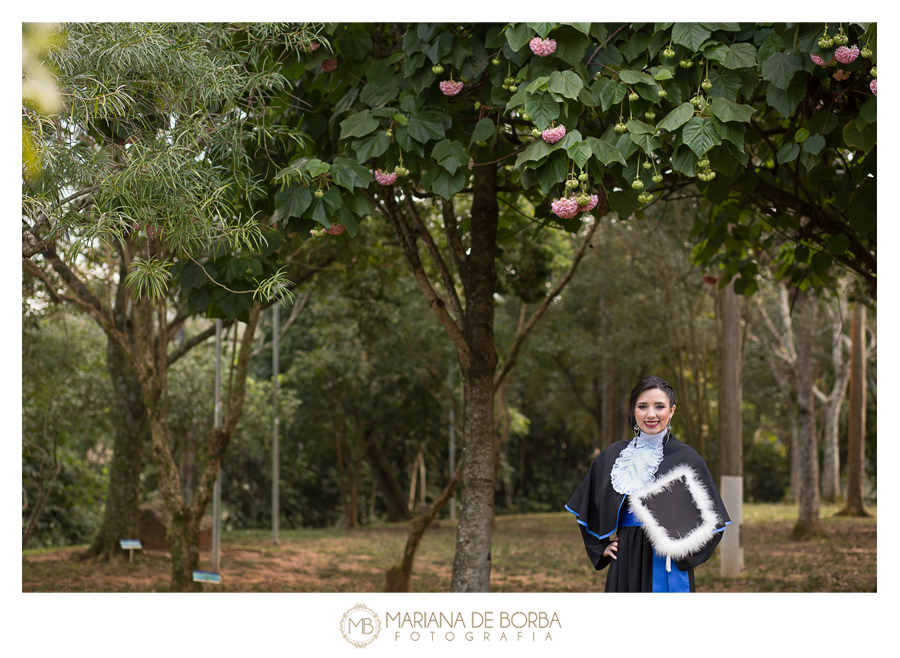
{"x":275,"y":471}
{"x":217,"y":422}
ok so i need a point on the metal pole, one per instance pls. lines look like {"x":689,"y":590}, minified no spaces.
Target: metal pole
{"x":217,"y":422}
{"x":452,"y":439}
{"x":275,"y":471}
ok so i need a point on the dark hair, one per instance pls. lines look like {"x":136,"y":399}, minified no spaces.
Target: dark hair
{"x":648,"y":384}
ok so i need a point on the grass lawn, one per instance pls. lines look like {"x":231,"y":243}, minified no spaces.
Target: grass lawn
{"x":531,"y":553}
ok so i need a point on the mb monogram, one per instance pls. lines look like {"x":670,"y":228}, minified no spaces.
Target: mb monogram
{"x":360,"y":626}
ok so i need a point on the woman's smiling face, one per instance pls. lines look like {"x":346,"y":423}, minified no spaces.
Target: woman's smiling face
{"x":652,"y":411}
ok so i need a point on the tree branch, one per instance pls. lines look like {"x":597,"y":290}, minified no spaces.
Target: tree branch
{"x":446,"y":277}
{"x":523,"y":331}
{"x":408,"y":245}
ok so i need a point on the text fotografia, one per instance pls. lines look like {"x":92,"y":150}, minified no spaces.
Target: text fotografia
{"x":480,"y":626}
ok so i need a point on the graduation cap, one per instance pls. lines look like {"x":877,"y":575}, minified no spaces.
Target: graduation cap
{"x":677,"y":513}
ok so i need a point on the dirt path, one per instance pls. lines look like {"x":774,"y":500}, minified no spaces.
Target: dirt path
{"x":534,"y":553}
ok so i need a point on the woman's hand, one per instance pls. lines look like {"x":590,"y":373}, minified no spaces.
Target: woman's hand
{"x":611,"y":550}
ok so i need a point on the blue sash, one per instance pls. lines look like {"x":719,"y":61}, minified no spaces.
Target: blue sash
{"x":675,"y":580}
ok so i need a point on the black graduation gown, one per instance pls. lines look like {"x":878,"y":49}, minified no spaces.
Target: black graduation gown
{"x":600,"y":510}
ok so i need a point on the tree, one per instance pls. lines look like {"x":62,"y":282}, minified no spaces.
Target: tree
{"x":152,"y":167}
{"x":857,"y":445}
{"x":438,"y":106}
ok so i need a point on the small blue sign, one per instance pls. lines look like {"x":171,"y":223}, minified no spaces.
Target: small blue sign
{"x":133,"y":544}
{"x":206,"y":577}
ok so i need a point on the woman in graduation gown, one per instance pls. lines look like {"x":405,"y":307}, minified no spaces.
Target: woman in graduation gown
{"x":649,"y":508}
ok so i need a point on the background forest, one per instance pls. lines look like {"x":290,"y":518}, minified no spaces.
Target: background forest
{"x":437,"y":255}
{"x":363,"y":354}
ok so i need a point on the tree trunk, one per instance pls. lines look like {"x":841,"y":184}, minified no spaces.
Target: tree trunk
{"x":472,"y":561}
{"x":183,"y":537}
{"x":383,"y":473}
{"x":397,"y":577}
{"x":129,"y":418}
{"x":808,"y":523}
{"x":731,"y":428}
{"x":831,"y":490}
{"x":856,"y":448}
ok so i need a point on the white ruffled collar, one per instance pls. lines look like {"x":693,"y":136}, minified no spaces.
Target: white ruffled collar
{"x":636,"y":465}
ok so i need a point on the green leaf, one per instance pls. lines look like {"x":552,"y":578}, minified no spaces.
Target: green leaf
{"x":537,"y":150}
{"x":725,"y":84}
{"x":684,"y":161}
{"x":450,"y":155}
{"x":733,"y":132}
{"x":868,"y":112}
{"x":292,"y":201}
{"x":740,"y":55}
{"x":715,"y":51}
{"x":676,"y":118}
{"x":801,"y":135}
{"x":484,"y":130}
{"x":360,"y":204}
{"x":567,"y":83}
{"x":426,"y":126}
{"x":604,"y":151}
{"x":349,"y":173}
{"x":664,"y":73}
{"x":358,"y":125}
{"x":640,"y":128}
{"x":787,"y":153}
{"x":439,"y":47}
{"x":779,"y":69}
{"x":584,"y":28}
{"x":837,"y":244}
{"x":446,"y":184}
{"x":553,"y":171}
{"x":542,"y":29}
{"x":634,"y":77}
{"x":814,"y":144}
{"x":700,"y":135}
{"x":377,"y":94}
{"x":611,"y":94}
{"x":727,"y":27}
{"x":647,"y":142}
{"x":542,"y":109}
{"x":786,"y":101}
{"x":691,"y":35}
{"x":860,"y":135}
{"x":401,"y":119}
{"x":316,"y":167}
{"x":571,"y":46}
{"x":726,"y":110}
{"x":518,"y":36}
{"x":580,"y":153}
{"x":371,"y":147}
{"x":192,"y":276}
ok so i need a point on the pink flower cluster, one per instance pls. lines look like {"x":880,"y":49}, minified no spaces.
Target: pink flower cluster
{"x":451,"y":88}
{"x":840,"y":75}
{"x":818,"y":60}
{"x":846,"y":55}
{"x":313,"y":45}
{"x":335,"y":229}
{"x":874,"y":86}
{"x":565,"y":208}
{"x":542,"y":47}
{"x":385,"y":178}
{"x":590,"y":205}
{"x":553,"y":135}
{"x":329,"y":65}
